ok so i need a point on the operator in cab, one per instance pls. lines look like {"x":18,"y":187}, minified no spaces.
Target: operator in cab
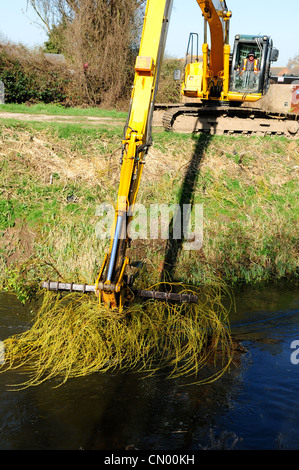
{"x":249,"y":70}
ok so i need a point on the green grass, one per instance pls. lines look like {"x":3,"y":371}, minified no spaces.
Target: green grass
{"x":55,"y":175}
{"x":77,"y":133}
{"x":59,"y":110}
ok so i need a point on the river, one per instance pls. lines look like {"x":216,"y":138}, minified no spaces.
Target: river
{"x":254,"y":407}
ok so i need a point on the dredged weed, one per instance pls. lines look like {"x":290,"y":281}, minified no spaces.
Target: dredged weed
{"x":73,"y":335}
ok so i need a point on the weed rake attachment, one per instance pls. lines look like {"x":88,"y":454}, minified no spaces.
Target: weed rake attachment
{"x":145,"y":294}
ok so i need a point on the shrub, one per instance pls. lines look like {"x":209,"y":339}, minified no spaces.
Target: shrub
{"x":169,"y":90}
{"x":28,"y":76}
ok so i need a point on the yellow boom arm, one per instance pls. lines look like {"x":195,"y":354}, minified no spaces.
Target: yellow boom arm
{"x":110,"y":285}
{"x":213,"y":16}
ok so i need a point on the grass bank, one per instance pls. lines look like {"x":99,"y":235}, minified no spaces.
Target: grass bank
{"x":54,"y":176}
{"x":59,"y":110}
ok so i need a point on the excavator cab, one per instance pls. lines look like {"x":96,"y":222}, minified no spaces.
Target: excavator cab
{"x":244,"y":85}
{"x":251,"y":83}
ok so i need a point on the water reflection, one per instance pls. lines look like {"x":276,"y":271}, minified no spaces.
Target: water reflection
{"x":111,"y":412}
{"x":255,"y":402}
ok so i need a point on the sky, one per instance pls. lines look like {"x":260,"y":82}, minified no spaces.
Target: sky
{"x":275,"y":18}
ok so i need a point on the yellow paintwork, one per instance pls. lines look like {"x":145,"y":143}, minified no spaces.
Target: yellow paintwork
{"x":193,"y":83}
{"x":217,"y":37}
{"x":244,"y":97}
{"x":226,"y":53}
{"x":215,"y":68}
{"x":146,"y":75}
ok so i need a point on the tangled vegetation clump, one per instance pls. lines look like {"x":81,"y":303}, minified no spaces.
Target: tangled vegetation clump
{"x":73,"y":336}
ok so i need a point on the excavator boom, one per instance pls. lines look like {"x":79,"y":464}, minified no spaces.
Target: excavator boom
{"x":111,"y":284}
{"x":215,"y":13}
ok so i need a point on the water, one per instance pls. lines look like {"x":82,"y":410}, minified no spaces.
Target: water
{"x":253,"y":407}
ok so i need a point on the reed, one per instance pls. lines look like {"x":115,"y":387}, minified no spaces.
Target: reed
{"x":72,"y":336}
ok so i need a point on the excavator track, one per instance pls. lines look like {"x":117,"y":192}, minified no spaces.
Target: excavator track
{"x":220,"y":120}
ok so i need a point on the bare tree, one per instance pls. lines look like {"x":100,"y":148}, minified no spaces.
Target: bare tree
{"x":294,"y":61}
{"x":99,"y":41}
{"x":50,"y":13}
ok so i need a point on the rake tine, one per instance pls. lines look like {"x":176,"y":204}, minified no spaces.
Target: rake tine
{"x":147,"y":294}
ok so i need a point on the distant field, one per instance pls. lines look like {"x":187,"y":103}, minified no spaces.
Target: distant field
{"x":52,"y":109}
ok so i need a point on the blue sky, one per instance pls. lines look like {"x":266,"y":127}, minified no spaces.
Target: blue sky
{"x":278,"y":19}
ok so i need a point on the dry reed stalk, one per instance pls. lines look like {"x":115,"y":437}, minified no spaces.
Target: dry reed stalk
{"x":46,"y":155}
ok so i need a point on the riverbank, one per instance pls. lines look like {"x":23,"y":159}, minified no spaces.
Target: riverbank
{"x":55,"y":175}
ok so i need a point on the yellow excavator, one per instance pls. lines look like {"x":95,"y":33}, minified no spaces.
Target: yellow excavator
{"x":222,"y":89}
{"x":212,"y":80}
{"x":222,"y":76}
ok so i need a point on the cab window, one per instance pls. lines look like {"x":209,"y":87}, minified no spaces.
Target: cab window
{"x":245,"y":76}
